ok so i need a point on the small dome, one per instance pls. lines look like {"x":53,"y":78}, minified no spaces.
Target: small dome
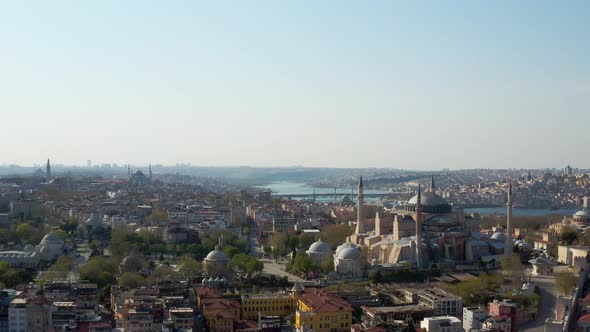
{"x":584,"y":213}
{"x":319,"y":247}
{"x":499,"y":236}
{"x":349,"y":253}
{"x":217,"y":256}
{"x":343,"y":246}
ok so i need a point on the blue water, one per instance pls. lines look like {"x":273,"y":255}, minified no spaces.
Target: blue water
{"x":521,"y":211}
{"x":296,"y":188}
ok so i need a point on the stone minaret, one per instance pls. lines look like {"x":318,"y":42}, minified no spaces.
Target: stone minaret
{"x":48,"y":170}
{"x":419,"y":229}
{"x":150,"y":171}
{"x":360,"y":227}
{"x":431,"y":188}
{"x":508,"y":246}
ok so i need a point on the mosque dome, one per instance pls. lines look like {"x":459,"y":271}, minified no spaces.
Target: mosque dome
{"x":428,"y":199}
{"x":499,"y":236}
{"x":51,"y":238}
{"x":344,"y":246}
{"x":349,"y":253}
{"x":217,"y":256}
{"x":319,"y":247}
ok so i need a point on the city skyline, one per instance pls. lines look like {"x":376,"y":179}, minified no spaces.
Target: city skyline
{"x":335,"y":84}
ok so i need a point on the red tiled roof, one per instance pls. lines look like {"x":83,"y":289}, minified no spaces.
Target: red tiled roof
{"x":323,"y":301}
{"x":207,"y":293}
{"x":584,"y":319}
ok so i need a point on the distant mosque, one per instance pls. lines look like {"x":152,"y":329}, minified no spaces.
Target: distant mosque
{"x":427,"y":232}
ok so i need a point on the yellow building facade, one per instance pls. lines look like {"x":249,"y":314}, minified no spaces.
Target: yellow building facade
{"x":267,"y":305}
{"x":322,"y":311}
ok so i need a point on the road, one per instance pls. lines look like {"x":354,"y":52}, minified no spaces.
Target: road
{"x":270,"y":266}
{"x":278,"y":269}
{"x":546,"y":285}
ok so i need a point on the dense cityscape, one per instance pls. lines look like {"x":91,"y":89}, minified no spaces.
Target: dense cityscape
{"x":294,"y":166}
{"x":140,"y":250}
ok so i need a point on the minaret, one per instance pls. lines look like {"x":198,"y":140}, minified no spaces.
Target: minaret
{"x":314,"y":194}
{"x":508,"y":247}
{"x":419,"y":229}
{"x":129,"y":169}
{"x":150,"y":171}
{"x":360,"y":227}
{"x":69,"y":179}
{"x":335,"y":197}
{"x":48,"y":171}
{"x":431,"y":188}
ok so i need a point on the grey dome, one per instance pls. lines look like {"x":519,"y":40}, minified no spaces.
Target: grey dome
{"x":499,"y":236}
{"x":428,"y":198}
{"x":344,"y":246}
{"x":584,"y":213}
{"x":349,"y":253}
{"x":217,"y":256}
{"x":50,"y":237}
{"x":319,"y":247}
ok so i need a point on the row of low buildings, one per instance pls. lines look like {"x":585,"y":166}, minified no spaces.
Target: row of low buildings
{"x":58,"y":306}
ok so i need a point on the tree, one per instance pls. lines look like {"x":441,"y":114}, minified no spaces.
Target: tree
{"x":231,"y":250}
{"x":188,"y":266}
{"x":278,"y":242}
{"x":512,"y":266}
{"x":9,"y":277}
{"x":24,"y":233}
{"x":60,"y":269}
{"x":161,"y":273}
{"x":246,"y":264}
{"x":303,"y":263}
{"x":61,"y":234}
{"x":305,"y":240}
{"x":100,"y":270}
{"x":568,"y":235}
{"x":131,"y":280}
{"x":375,"y":277}
{"x":565,"y":282}
{"x":327,"y":264}
{"x":336,"y":234}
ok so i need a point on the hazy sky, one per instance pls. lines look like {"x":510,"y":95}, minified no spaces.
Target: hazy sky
{"x":422,"y":85}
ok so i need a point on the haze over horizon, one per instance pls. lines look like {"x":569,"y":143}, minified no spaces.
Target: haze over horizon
{"x":330,"y":84}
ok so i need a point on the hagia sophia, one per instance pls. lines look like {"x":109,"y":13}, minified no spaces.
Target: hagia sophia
{"x":427,"y":232}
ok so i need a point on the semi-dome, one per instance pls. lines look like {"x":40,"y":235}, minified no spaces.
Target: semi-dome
{"x":349,"y":253}
{"x":499,"y":236}
{"x":319,"y":247}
